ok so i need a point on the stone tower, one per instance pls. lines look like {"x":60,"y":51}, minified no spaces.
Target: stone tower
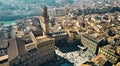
{"x":46,"y":19}
{"x":83,"y":17}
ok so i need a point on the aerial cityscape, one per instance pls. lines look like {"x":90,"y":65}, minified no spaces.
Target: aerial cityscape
{"x":60,"y":33}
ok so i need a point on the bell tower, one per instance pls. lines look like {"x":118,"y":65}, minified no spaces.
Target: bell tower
{"x":46,"y":20}
{"x":83,"y":17}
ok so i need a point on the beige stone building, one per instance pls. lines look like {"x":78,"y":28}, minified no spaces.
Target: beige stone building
{"x":118,"y":49}
{"x":101,"y":60}
{"x":92,"y":43}
{"x":33,"y":52}
{"x":3,"y":60}
{"x":60,"y":36}
{"x":118,"y":64}
{"x":31,"y":45}
{"x":110,"y":53}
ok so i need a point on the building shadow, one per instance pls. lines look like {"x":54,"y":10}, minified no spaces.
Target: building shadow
{"x":70,"y":47}
{"x":59,"y":61}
